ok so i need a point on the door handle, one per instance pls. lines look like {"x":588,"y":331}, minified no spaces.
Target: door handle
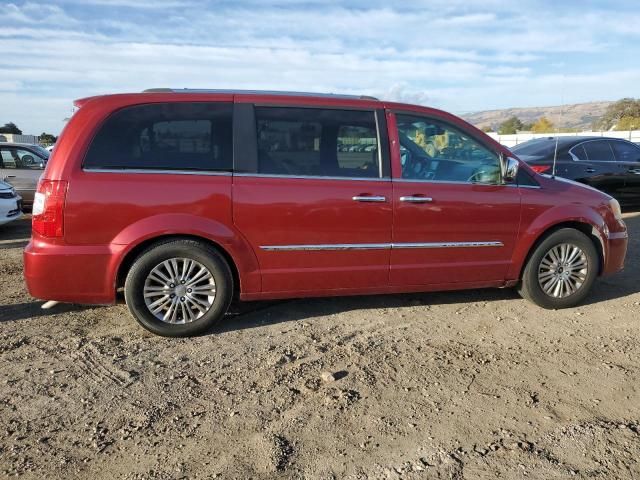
{"x":369,"y":198}
{"x":416,"y":199}
{"x":590,"y":170}
{"x":635,"y":171}
{"x":9,"y":176}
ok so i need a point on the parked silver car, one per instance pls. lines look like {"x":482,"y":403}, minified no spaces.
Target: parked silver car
{"x":10,"y":204}
{"x":21,"y":165}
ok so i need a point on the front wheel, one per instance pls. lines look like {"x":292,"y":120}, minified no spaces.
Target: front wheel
{"x":561,"y":270}
{"x":179,"y":288}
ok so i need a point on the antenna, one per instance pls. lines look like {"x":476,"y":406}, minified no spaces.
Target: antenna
{"x":555,"y":152}
{"x":555,"y":157}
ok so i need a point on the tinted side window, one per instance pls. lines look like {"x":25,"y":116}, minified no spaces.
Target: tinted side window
{"x":21,"y":159}
{"x":171,"y":136}
{"x":317,"y":142}
{"x":9,"y":158}
{"x":579,"y":153}
{"x":431,"y":150}
{"x":626,"y":152}
{"x":599,"y":150}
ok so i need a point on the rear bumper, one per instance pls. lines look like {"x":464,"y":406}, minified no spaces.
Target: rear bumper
{"x":77,"y":274}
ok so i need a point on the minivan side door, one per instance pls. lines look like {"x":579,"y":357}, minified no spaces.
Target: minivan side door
{"x":312,"y":195}
{"x":454,"y":221}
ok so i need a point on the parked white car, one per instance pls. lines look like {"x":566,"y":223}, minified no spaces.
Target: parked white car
{"x":10,"y":204}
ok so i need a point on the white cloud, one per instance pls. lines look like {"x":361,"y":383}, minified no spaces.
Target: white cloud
{"x":459,"y":55}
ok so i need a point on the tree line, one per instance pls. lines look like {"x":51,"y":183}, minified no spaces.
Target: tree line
{"x":621,"y":115}
{"x":45,"y":138}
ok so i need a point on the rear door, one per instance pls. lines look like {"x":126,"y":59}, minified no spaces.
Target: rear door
{"x":628,"y":156}
{"x":453,"y":219}
{"x":600,"y":168}
{"x":312,"y":194}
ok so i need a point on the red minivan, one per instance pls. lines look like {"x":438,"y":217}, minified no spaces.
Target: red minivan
{"x":186,"y":199}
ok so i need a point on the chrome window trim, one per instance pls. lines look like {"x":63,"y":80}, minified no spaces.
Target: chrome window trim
{"x":157,"y":171}
{"x":310,"y":177}
{"x":604,"y":139}
{"x":457,"y":182}
{"x":451,"y":182}
{"x":378,"y":246}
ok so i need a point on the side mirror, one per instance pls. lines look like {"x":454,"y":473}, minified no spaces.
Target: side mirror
{"x":509,"y":168}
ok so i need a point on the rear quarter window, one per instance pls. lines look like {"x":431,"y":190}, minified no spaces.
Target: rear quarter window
{"x":165,"y":136}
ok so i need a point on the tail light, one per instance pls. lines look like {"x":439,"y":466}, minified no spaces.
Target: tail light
{"x":540,"y":168}
{"x":48,"y":208}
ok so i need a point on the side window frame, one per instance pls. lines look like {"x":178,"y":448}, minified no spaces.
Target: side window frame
{"x":575,"y":157}
{"x":586,"y":153}
{"x":454,"y":127}
{"x":612,"y":144}
{"x":160,"y":169}
{"x":33,"y":154}
{"x":245,"y":153}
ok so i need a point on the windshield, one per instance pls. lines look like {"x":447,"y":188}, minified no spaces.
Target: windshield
{"x":536,"y":148}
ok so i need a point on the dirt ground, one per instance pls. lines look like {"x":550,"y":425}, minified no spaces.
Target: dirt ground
{"x":458,"y":385}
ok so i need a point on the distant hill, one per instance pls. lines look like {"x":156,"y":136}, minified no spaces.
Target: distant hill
{"x":580,"y":115}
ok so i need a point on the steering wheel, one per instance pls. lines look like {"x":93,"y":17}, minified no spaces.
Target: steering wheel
{"x":478,"y":173}
{"x":415,"y":166}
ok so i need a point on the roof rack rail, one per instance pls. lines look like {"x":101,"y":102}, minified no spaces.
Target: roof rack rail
{"x":259,"y":92}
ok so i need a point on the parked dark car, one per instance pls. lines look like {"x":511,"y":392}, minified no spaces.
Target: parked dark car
{"x":21,"y":166}
{"x":608,"y":164}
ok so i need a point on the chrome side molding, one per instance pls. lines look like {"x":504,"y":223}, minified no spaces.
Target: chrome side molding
{"x":378,"y":246}
{"x":334,"y":246}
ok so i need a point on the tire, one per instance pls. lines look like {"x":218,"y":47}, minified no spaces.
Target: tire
{"x":542,"y":269}
{"x":184,"y":304}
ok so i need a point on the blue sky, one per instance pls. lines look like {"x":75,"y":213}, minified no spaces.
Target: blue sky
{"x":459,"y":55}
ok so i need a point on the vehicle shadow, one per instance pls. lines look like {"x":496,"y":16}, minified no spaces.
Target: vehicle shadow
{"x":31,"y":310}
{"x":259,"y":314}
{"x":16,"y":244}
{"x":15,"y":234}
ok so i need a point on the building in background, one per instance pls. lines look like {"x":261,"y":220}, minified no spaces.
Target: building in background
{"x":14,"y":138}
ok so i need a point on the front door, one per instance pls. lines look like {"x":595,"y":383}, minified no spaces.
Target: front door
{"x":453,"y":219}
{"x":317,"y":207}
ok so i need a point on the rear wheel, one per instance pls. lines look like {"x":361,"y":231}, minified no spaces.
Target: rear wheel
{"x":179,"y":288}
{"x":561,"y":270}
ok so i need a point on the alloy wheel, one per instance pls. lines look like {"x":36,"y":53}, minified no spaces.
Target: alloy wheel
{"x":179,"y":290}
{"x":563,"y":270}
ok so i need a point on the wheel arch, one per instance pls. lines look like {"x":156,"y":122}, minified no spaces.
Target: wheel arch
{"x":582,"y":226}
{"x":130,"y":257}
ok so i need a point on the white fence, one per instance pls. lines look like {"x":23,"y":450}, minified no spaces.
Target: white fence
{"x":513,"y":140}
